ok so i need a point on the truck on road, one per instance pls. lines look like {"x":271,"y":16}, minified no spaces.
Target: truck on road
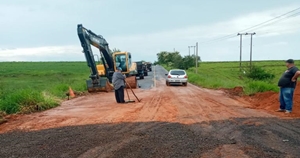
{"x":149,"y":66}
{"x":140,"y":69}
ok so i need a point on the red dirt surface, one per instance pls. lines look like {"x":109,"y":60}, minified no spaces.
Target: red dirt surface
{"x":170,"y":121}
{"x":270,"y":101}
{"x":184,"y":105}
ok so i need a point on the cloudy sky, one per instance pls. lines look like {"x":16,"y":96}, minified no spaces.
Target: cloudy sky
{"x":44,"y":30}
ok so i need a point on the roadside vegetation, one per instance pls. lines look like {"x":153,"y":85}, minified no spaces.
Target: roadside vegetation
{"x":33,"y":86}
{"x":262,"y":77}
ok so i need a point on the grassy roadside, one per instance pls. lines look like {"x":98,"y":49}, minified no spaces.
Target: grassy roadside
{"x":31,"y":86}
{"x":227,"y":75}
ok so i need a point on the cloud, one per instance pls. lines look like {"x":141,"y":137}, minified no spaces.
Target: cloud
{"x":211,"y":31}
{"x":145,"y":46}
{"x":181,"y":38}
{"x":50,"y":53}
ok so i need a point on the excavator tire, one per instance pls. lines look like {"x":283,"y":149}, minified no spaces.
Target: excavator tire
{"x":132,"y":82}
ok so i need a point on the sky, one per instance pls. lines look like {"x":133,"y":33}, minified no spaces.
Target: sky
{"x":43,"y":30}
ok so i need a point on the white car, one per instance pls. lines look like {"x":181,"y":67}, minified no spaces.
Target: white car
{"x":176,"y":76}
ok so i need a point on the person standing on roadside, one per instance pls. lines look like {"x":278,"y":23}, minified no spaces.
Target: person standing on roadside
{"x":118,"y":82}
{"x":287,"y":84}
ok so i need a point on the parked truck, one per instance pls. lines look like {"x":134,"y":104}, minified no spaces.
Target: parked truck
{"x":145,"y":68}
{"x":149,"y":66}
{"x":140,"y":69}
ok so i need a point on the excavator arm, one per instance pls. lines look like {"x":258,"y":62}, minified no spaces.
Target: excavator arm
{"x":88,"y":38}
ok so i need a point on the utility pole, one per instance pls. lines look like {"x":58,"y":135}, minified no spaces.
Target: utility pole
{"x":194,"y":49}
{"x":251,"y":50}
{"x":189,"y":50}
{"x":174,"y":49}
{"x":240,"y":34}
{"x":196,"y":57}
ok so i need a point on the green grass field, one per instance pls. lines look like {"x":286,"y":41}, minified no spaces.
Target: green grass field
{"x":26,"y":85}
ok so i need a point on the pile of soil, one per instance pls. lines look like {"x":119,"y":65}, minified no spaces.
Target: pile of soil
{"x":236,"y":91}
{"x":270,"y":101}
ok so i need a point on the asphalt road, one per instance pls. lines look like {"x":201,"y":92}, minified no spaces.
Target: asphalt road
{"x":157,"y":74}
{"x":171,"y":121}
{"x":148,"y":81}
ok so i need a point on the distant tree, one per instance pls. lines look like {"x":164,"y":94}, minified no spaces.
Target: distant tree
{"x":187,"y":62}
{"x":175,"y":60}
{"x":116,"y":50}
{"x":165,"y":57}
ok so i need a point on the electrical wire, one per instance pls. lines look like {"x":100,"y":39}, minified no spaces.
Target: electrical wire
{"x":277,"y":17}
{"x":279,"y":20}
{"x":263,"y":24}
{"x":277,"y":31}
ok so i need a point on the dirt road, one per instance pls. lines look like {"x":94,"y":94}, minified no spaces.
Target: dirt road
{"x":169,"y":122}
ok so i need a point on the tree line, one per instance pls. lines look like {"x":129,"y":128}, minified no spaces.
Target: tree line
{"x":175,"y":60}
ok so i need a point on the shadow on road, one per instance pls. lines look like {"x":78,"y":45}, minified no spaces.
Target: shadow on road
{"x":252,"y":137}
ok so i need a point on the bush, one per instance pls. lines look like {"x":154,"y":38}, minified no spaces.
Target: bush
{"x":259,"y":86}
{"x":257,"y":73}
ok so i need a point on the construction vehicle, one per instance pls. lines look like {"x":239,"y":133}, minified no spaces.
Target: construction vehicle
{"x":140,"y":69}
{"x":145,"y":69}
{"x":101,"y":74}
{"x":149,"y":66}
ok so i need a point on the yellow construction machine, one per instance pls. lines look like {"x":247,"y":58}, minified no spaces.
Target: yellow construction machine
{"x":101,"y":74}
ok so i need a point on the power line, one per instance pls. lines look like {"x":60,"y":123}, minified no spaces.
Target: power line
{"x":262,"y":33}
{"x":277,"y":31}
{"x":296,"y":14}
{"x":248,"y":29}
{"x":257,"y":25}
{"x":285,"y":18}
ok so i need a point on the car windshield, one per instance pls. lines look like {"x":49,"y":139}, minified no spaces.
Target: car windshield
{"x":177,"y":72}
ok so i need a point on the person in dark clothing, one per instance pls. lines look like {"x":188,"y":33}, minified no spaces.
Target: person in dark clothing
{"x":118,"y":82}
{"x":287,"y":84}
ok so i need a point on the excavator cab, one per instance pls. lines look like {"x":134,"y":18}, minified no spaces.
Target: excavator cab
{"x":123,"y":60}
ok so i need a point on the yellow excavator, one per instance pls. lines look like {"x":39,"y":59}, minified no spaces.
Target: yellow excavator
{"x":101,"y":74}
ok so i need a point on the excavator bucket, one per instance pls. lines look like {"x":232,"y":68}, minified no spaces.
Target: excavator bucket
{"x":131,"y":81}
{"x":102,"y":86}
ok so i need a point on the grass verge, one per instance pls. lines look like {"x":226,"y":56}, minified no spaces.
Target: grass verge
{"x":228,"y":75}
{"x":34,"y":86}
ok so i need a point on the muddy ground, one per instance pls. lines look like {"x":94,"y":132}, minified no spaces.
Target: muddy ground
{"x":169,"y":122}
